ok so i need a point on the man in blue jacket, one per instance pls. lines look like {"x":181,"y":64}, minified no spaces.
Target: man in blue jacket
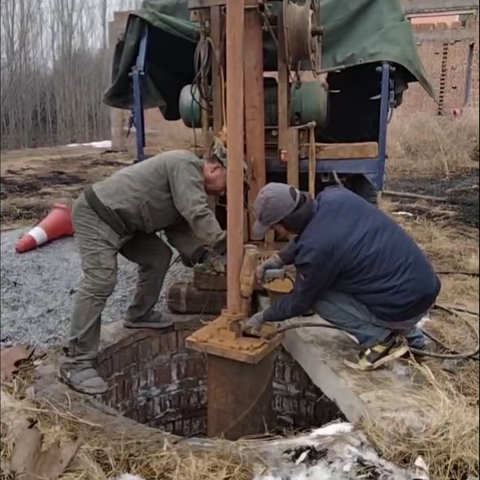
{"x":356,"y":268}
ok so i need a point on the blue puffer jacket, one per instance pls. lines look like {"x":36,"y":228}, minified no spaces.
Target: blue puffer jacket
{"x":352,"y":247}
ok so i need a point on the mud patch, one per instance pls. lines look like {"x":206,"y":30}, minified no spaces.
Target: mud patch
{"x":12,"y":214}
{"x":461,"y":190}
{"x":60,"y":178}
{"x":18,"y":186}
{"x":28,"y":185}
{"x":109,"y":163}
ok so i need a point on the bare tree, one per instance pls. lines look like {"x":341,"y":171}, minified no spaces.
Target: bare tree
{"x":54,"y":70}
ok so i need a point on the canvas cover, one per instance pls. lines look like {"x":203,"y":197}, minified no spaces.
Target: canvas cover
{"x":357,"y":32}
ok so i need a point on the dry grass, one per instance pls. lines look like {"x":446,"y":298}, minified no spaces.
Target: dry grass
{"x":104,"y":456}
{"x":445,"y":433}
{"x":433,"y":146}
{"x":446,"y":395}
{"x":450,"y":246}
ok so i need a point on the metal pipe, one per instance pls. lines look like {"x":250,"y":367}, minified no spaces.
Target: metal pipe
{"x":468,"y":84}
{"x":384,"y":115}
{"x":235,"y":140}
{"x":137,"y":79}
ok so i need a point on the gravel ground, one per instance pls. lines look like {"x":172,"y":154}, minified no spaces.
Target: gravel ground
{"x":38,"y":291}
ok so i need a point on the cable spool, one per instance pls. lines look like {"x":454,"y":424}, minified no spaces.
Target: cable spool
{"x":302,"y":33}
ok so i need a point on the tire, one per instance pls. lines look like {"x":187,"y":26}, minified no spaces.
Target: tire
{"x":363,"y":188}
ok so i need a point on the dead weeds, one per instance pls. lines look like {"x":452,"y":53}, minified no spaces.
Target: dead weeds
{"x":104,"y":456}
{"x":446,"y":394}
{"x":427,"y":145}
{"x":445,"y":433}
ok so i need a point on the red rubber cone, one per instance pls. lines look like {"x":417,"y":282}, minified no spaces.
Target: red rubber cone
{"x":58,"y":223}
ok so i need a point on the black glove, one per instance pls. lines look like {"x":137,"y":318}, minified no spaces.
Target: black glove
{"x":221,"y":246}
{"x":213,"y":262}
{"x":195,"y":258}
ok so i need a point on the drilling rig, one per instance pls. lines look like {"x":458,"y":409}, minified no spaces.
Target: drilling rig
{"x":302,"y":92}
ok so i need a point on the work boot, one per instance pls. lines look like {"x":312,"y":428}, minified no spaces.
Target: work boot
{"x":154,"y":320}
{"x":82,"y":377}
{"x":373,"y":358}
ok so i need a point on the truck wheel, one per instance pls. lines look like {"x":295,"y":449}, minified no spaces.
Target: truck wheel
{"x":362,"y":187}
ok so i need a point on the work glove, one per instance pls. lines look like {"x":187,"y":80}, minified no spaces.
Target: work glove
{"x":273,"y":263}
{"x":213,"y":262}
{"x":255,"y":323}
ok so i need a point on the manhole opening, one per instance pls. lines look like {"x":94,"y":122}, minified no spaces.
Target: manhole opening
{"x":155,"y":380}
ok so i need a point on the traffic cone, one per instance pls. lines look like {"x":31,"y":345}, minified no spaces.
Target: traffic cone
{"x":58,"y":223}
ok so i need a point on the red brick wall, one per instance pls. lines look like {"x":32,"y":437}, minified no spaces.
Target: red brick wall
{"x":445,"y":53}
{"x":155,"y":380}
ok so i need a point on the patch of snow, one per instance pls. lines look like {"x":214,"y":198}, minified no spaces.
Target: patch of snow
{"x":129,"y":477}
{"x":424,"y":321}
{"x":422,"y":469}
{"x":319,"y":472}
{"x":302,"y":458}
{"x":334,"y":429}
{"x":404,"y":214}
{"x":104,"y":144}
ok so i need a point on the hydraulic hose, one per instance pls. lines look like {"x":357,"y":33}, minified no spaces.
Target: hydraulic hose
{"x":420,"y":353}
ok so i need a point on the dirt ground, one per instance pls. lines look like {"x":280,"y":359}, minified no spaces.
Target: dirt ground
{"x":33,"y":180}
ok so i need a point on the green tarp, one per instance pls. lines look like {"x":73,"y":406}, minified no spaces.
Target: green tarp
{"x":356,"y":32}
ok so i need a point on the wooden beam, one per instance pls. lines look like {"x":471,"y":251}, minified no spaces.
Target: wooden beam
{"x":312,"y":164}
{"x":342,"y":151}
{"x":217,"y":84}
{"x":415,"y":7}
{"x":293,"y":169}
{"x":283,"y":87}
{"x":205,"y":17}
{"x":254,"y":106}
{"x":235,"y":140}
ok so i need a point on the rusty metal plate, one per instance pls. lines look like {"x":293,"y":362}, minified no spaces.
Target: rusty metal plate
{"x":239,"y":397}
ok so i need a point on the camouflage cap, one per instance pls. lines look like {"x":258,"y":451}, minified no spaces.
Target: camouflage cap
{"x":219,"y":151}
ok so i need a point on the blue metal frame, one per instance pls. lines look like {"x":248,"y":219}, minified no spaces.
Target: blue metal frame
{"x":137,"y":76}
{"x":372,"y":169}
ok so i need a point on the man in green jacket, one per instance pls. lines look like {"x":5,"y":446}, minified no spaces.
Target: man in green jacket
{"x":122,"y":215}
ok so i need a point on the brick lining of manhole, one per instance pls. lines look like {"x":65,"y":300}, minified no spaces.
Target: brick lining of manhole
{"x":156,"y":381}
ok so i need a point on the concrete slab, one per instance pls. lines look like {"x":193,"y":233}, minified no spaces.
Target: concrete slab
{"x":322,"y":353}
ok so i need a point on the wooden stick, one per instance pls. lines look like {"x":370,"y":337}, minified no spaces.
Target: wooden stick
{"x":312,"y":162}
{"x":217,"y":86}
{"x":254,"y":106}
{"x":455,"y":309}
{"x":283,"y":86}
{"x":293,"y":167}
{"x":465,"y":273}
{"x":416,"y":196}
{"x":390,"y":193}
{"x":235,"y":135}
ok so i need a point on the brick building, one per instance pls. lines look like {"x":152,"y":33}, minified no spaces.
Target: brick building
{"x":450,"y":56}
{"x":449,"y":51}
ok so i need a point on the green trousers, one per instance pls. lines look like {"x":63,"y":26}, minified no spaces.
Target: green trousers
{"x":99,"y":247}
